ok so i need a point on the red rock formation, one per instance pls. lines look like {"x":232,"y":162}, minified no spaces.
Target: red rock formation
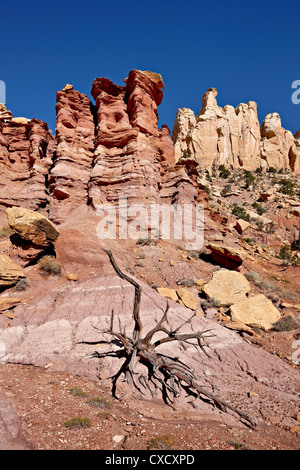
{"x":68,"y":179}
{"x":24,"y":163}
{"x":131,"y":153}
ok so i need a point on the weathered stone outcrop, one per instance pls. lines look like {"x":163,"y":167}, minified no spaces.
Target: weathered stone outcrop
{"x":24,"y":163}
{"x":75,"y":133}
{"x":233,"y":137}
{"x":133,"y":158}
{"x":277,"y":144}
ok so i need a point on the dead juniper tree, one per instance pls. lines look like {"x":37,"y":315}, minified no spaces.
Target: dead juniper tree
{"x":171,"y":373}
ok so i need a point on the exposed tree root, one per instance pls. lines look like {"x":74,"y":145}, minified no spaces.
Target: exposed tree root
{"x":169,"y":374}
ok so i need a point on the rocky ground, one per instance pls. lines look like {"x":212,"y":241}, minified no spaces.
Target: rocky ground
{"x":38,"y":399}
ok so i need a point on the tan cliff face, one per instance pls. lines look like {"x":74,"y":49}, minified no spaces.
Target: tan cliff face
{"x":233,"y":137}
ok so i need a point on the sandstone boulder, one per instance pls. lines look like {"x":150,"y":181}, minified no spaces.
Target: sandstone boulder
{"x":255,"y":311}
{"x":229,"y":287}
{"x":32,"y":226}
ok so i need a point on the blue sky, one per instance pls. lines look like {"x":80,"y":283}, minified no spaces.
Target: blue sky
{"x":248,"y":50}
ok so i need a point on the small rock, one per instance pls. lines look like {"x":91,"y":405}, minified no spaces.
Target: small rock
{"x":187,"y":297}
{"x":295,"y":429}
{"x":166,"y":292}
{"x":118,"y":438}
{"x":72,"y":277}
{"x":242,"y":225}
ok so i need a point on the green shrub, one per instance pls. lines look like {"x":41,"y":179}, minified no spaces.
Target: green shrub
{"x":287,"y":187}
{"x":287,"y":256}
{"x":259,"y":208}
{"x":240,"y":213}
{"x":272,"y":170}
{"x":78,"y":422}
{"x":249,"y":240}
{"x":49,"y":265}
{"x":249,"y":178}
{"x":224,"y":172}
{"x":226,"y":190}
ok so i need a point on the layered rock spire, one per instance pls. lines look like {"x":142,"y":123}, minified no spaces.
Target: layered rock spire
{"x":233,"y":137}
{"x":114,"y":148}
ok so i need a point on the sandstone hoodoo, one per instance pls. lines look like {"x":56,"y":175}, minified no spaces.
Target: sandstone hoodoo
{"x":233,"y":137}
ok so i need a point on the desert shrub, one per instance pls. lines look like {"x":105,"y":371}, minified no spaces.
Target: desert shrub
{"x":22,"y":284}
{"x":209,"y":303}
{"x":78,"y":392}
{"x":78,"y":422}
{"x":224,"y":172}
{"x":140,"y":264}
{"x":5,"y":231}
{"x":271,"y":227}
{"x":259,"y":208}
{"x":186,"y":154}
{"x":249,"y":178}
{"x":100,"y":402}
{"x":161,"y":443}
{"x":249,"y":240}
{"x":263,"y":284}
{"x":193,"y":254}
{"x":226,"y":190}
{"x":49,"y":265}
{"x":185,"y":282}
{"x":207,"y":190}
{"x":272,"y":170}
{"x":287,"y":256}
{"x":104,"y":414}
{"x":260,"y":226}
{"x":254,"y":277}
{"x":146,"y":241}
{"x":287,"y":187}
{"x":287,"y":323}
{"x":240,"y":213}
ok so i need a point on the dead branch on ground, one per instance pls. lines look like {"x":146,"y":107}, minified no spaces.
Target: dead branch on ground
{"x":171,"y":374}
